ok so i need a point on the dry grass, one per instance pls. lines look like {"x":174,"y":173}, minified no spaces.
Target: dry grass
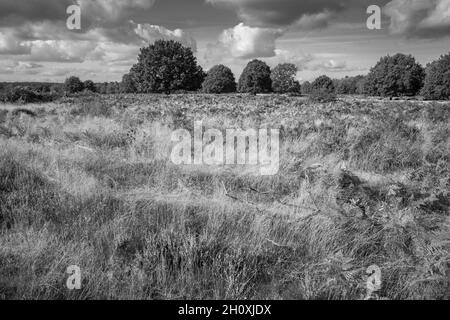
{"x":88,"y":182}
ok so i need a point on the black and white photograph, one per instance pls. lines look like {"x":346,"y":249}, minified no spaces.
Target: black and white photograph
{"x":247,"y":151}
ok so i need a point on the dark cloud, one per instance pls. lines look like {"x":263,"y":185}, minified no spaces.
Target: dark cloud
{"x":417,"y":18}
{"x":14,"y":12}
{"x":287,"y":12}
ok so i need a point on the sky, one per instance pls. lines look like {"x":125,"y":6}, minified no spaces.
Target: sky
{"x":319,"y":36}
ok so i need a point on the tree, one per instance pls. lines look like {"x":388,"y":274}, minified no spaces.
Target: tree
{"x":167,"y":66}
{"x":306,"y":87}
{"x":323,"y":84}
{"x":127,"y":85}
{"x":73,"y":85}
{"x":219,"y":79}
{"x":395,"y":76}
{"x":283,"y":78}
{"x":89,"y":85}
{"x":437,"y":80}
{"x":255,"y":78}
{"x":323,"y":89}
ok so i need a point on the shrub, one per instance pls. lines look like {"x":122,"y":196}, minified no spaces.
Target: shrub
{"x":437,"y":80}
{"x":127,"y":85}
{"x":255,"y":78}
{"x":21,"y":95}
{"x":220,"y":79}
{"x":167,"y":66}
{"x":89,"y":85}
{"x":395,"y":76}
{"x":73,"y":85}
{"x":323,"y":89}
{"x":283,"y":79}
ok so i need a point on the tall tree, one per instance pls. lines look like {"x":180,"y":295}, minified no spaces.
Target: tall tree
{"x":167,"y":66}
{"x":255,"y":78}
{"x":283,"y":79}
{"x":395,"y":76}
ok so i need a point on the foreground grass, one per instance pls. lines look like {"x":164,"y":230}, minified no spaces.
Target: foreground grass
{"x":88,"y":182}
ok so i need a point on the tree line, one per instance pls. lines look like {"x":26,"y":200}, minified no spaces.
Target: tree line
{"x":169,"y":67}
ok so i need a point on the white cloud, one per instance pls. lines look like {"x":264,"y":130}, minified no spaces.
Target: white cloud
{"x":151,"y":33}
{"x":244,"y":42}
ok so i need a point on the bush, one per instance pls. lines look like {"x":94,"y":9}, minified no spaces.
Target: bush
{"x":283,"y":79}
{"x":220,"y":79}
{"x":395,"y":76}
{"x":89,"y":85}
{"x":255,"y":78}
{"x":167,"y":66}
{"x":127,"y":85}
{"x":323,"y":89}
{"x":437,"y":80}
{"x":21,"y":95}
{"x":73,"y":85}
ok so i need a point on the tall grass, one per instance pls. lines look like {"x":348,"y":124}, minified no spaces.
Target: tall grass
{"x":89,"y":183}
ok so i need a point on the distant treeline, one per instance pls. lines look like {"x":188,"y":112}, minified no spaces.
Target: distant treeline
{"x":29,"y":92}
{"x":46,"y":87}
{"x":168,"y":67}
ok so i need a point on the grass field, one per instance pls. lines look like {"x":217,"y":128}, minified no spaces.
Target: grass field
{"x":88,"y":181}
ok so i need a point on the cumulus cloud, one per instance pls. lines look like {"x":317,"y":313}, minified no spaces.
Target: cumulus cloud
{"x":244,"y":42}
{"x":418,"y":18}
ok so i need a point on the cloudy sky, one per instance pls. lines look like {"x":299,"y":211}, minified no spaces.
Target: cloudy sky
{"x":319,"y":36}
